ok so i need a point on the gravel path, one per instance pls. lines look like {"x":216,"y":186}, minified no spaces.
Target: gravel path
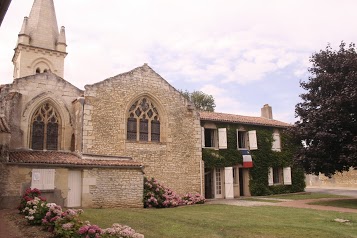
{"x":284,"y":203}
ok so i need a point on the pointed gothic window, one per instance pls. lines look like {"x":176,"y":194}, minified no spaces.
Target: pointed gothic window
{"x":45,"y":128}
{"x":143,"y":121}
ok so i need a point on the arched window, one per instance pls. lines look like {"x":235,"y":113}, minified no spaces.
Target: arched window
{"x":143,"y":121}
{"x":38,"y":71}
{"x":45,"y":70}
{"x":45,"y":126}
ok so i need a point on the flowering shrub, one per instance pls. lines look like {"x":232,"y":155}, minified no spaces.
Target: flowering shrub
{"x":28,"y":196}
{"x":90,"y":231}
{"x":120,"y":231}
{"x":190,"y":199}
{"x":54,"y":212}
{"x":35,"y":210}
{"x":156,"y":195}
{"x":67,"y":226}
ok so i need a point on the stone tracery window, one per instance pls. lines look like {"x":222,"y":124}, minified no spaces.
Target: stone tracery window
{"x":45,"y":126}
{"x":143,"y":121}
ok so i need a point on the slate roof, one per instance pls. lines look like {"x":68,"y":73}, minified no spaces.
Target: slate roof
{"x":247,"y":120}
{"x":68,"y":159}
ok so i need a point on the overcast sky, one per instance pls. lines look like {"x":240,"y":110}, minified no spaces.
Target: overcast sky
{"x":244,"y":53}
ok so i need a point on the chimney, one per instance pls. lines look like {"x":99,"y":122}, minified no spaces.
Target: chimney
{"x":267,"y":112}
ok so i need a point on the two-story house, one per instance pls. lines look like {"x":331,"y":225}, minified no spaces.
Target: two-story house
{"x":239,"y":149}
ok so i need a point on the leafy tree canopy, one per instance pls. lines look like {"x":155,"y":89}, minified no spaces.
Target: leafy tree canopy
{"x":328,"y":112}
{"x":201,"y":100}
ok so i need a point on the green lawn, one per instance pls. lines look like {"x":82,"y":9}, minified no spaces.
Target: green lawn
{"x":347,"y":203}
{"x":227,"y":221}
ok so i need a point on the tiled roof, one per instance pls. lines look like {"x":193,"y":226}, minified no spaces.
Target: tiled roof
{"x":68,"y":159}
{"x":247,"y":120}
{"x":4,"y":127}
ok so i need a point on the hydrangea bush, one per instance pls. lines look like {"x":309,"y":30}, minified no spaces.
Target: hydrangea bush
{"x":159,"y":196}
{"x":35,"y":210}
{"x":90,"y":231}
{"x":67,"y":226}
{"x":28,"y":196}
{"x":120,"y":231}
{"x":54,"y":212}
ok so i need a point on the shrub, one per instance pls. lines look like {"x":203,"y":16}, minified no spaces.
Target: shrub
{"x":190,"y":199}
{"x":90,"y":231}
{"x":67,"y":226}
{"x":35,"y":210}
{"x":28,"y":196}
{"x":156,"y":195}
{"x":120,"y":231}
{"x":54,"y":212}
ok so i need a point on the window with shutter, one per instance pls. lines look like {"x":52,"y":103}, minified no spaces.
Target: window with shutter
{"x":143,"y":123}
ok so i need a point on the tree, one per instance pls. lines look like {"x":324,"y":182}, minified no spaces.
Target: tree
{"x":202,"y":101}
{"x":327,"y":122}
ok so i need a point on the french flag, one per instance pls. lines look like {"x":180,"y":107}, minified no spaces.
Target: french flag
{"x":247,"y":159}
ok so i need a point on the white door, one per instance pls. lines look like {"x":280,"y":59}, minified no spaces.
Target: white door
{"x":74,"y":188}
{"x":218,"y":193}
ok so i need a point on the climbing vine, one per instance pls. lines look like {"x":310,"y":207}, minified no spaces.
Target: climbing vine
{"x":263,"y":158}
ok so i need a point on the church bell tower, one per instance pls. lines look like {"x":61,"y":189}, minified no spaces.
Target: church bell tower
{"x":41,"y":47}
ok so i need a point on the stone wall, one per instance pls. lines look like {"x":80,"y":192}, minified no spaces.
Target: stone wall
{"x":175,"y":160}
{"x":347,"y":179}
{"x":104,"y":187}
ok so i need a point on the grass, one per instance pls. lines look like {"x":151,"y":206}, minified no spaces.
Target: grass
{"x":215,"y":221}
{"x":346,"y":203}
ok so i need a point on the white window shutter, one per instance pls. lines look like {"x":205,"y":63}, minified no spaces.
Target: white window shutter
{"x":203,"y":136}
{"x":287,"y":176}
{"x":252,"y":135}
{"x":36,"y":181}
{"x":276,"y":142}
{"x":270,"y":177}
{"x":43,"y":179}
{"x":222,"y":138}
{"x":49,"y":179}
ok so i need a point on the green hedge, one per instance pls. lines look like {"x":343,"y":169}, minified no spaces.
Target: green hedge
{"x":263,"y":159}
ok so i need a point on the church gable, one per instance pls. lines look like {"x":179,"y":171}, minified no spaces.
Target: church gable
{"x":140,"y":115}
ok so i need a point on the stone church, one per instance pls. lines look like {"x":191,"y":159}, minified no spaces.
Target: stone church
{"x":92,"y":147}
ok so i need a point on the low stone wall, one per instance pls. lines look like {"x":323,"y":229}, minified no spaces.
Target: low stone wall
{"x":346,"y":179}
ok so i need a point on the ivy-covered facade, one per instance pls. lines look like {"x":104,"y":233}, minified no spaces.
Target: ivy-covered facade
{"x":267,"y":167}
